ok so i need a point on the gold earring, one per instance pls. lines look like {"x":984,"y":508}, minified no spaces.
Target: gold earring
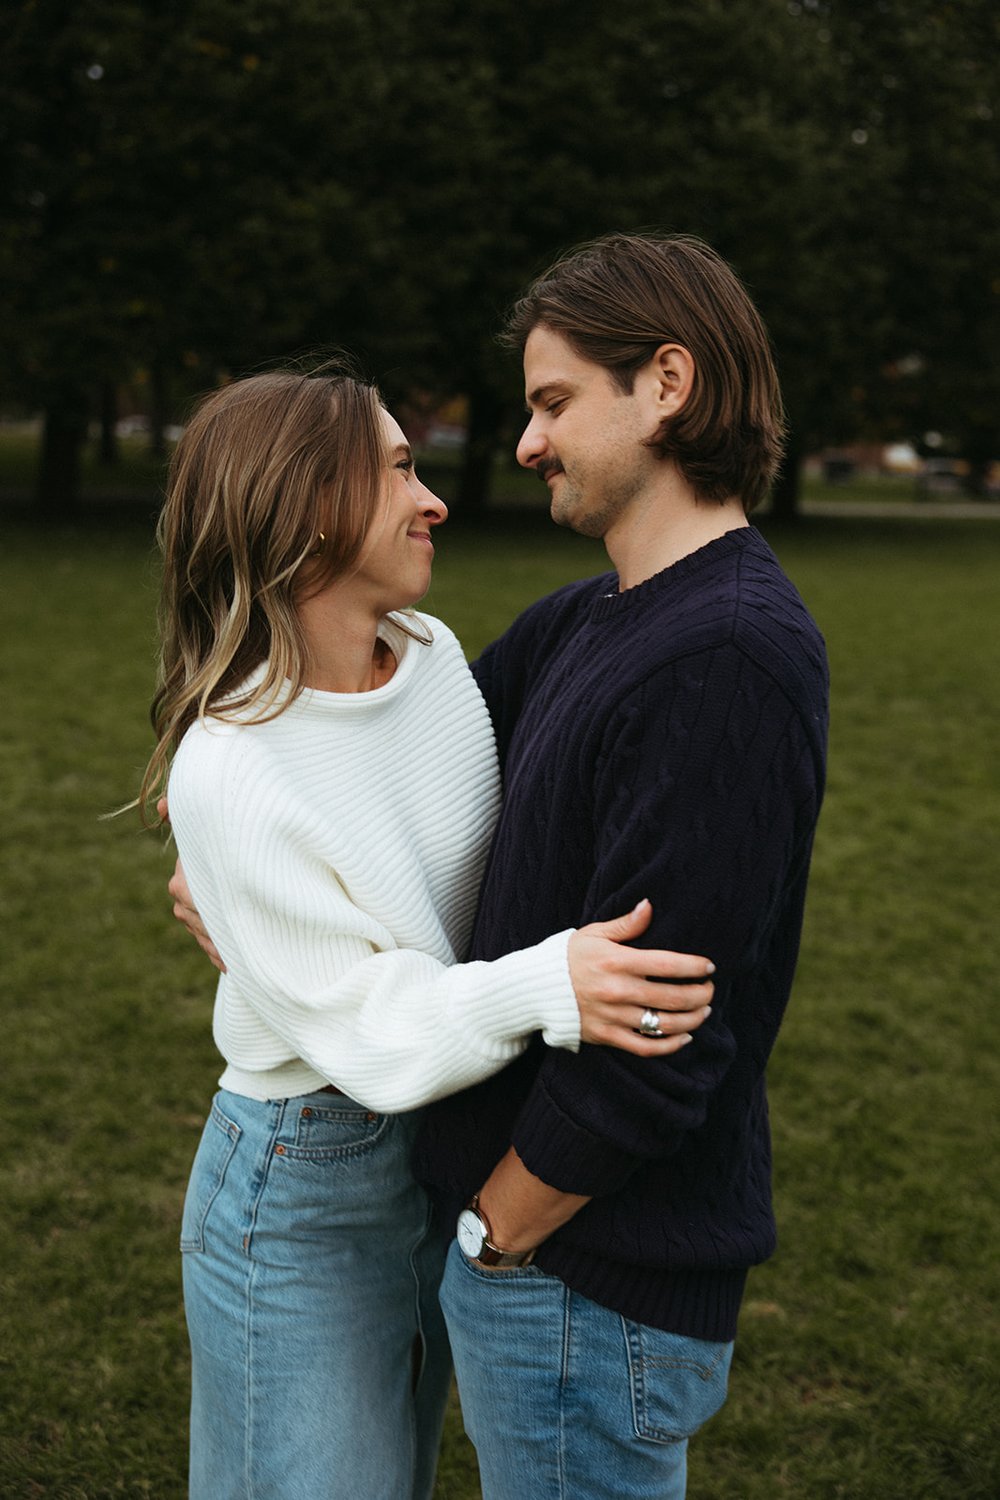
{"x":319,"y":545}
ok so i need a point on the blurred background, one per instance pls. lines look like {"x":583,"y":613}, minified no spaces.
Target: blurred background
{"x":191,"y":190}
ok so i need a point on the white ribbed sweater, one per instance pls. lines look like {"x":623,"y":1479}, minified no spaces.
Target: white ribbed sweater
{"x":335,"y":855}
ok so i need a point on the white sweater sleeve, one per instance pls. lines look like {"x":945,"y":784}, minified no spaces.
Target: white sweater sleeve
{"x":393,"y":1027}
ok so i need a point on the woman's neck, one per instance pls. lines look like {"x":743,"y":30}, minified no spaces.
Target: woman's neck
{"x":344,"y":651}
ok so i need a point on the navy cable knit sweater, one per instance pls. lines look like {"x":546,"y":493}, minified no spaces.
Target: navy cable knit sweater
{"x":669,"y":742}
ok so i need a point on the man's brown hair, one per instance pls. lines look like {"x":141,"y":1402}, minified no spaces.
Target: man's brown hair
{"x":619,"y":298}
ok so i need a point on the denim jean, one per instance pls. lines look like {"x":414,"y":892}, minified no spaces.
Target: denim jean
{"x":566,"y":1400}
{"x":320,"y":1364}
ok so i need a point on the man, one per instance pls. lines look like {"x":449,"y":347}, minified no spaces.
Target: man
{"x":662,"y":733}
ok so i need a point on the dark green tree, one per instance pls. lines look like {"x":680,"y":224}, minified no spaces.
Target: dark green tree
{"x":196,"y":189}
{"x":189,"y":193}
{"x":923,"y":78}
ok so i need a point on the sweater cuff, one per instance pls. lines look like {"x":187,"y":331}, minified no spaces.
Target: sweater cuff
{"x":563,"y":1154}
{"x":524,"y":992}
{"x":562,"y":1025}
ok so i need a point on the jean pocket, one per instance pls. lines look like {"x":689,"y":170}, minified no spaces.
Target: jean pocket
{"x":322,"y":1132}
{"x":677,"y":1382}
{"x":208,"y":1173}
{"x":501,"y":1275}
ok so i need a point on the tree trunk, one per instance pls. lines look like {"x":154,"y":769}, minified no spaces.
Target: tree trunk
{"x":787,"y":485}
{"x":979,"y":447}
{"x":64,"y":430}
{"x":486,"y":411}
{"x":157,"y":411}
{"x":108,"y":450}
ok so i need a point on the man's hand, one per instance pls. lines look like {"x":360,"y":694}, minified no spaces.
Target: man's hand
{"x":615,"y":985}
{"x":520,"y":1209}
{"x":187,"y":913}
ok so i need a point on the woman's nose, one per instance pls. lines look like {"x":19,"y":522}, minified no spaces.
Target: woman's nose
{"x":433,"y":510}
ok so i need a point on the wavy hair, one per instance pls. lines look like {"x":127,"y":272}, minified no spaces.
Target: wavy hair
{"x":271,"y":491}
{"x":617,"y":299}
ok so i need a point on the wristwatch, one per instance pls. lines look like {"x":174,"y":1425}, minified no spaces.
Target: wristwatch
{"x":475,"y":1240}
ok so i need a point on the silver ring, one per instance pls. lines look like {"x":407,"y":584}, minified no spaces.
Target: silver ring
{"x":649,"y":1025}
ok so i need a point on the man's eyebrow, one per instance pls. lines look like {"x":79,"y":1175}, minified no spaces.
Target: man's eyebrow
{"x":541,"y":393}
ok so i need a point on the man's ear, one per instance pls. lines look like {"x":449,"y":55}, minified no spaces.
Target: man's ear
{"x":672,"y":368}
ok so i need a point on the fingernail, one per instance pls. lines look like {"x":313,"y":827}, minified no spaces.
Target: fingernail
{"x":710,"y":969}
{"x":685,"y":1038}
{"x":639,"y":904}
{"x":708,"y":1011}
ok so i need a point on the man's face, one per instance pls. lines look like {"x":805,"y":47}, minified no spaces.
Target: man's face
{"x":586,"y":438}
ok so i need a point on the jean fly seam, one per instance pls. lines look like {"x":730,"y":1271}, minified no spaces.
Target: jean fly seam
{"x":248,"y":1446}
{"x":567,"y":1301}
{"x":421,"y":1334}
{"x":265,"y":1170}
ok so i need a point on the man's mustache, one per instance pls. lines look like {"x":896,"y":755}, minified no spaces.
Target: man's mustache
{"x":547,"y":466}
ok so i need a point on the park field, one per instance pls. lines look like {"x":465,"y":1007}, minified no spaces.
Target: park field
{"x":867,"y":1365}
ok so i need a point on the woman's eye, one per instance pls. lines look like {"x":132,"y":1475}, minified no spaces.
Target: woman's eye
{"x":406,"y":464}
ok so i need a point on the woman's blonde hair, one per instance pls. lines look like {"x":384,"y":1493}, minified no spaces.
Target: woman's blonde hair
{"x":272,"y":489}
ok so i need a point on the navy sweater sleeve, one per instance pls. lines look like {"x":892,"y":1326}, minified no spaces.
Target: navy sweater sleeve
{"x":705,"y":801}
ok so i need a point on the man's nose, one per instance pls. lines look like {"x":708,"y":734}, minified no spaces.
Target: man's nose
{"x":531,"y":447}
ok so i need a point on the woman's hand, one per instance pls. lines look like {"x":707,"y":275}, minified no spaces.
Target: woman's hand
{"x":184,"y":908}
{"x":187,"y":914}
{"x":615,"y":984}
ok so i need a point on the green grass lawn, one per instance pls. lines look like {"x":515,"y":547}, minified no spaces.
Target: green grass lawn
{"x":137,"y":472}
{"x":867,"y":1362}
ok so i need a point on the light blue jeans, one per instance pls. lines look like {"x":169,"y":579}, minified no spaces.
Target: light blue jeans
{"x":566,"y":1400}
{"x":320,"y":1363}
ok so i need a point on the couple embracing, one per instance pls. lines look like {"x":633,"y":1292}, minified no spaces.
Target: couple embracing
{"x":469,"y":1109}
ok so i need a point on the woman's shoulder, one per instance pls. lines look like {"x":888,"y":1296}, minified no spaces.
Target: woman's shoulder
{"x":433,"y":643}
{"x":424,"y":628}
{"x":214,"y":754}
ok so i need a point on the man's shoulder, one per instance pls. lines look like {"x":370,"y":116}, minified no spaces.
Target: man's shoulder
{"x":773,"y":625}
{"x":735,"y":603}
{"x":743,"y":597}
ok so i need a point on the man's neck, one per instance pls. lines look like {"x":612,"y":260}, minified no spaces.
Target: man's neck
{"x":659,"y":530}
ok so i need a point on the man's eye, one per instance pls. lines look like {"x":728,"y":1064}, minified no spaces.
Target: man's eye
{"x":554,"y":408}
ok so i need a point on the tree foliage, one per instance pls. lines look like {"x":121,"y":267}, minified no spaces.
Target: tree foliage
{"x":199,"y":188}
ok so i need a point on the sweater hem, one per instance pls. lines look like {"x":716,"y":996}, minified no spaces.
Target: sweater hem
{"x":694,"y":1301}
{"x":286,"y":1081}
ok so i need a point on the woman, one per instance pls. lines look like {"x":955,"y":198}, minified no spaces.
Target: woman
{"x":333,"y":793}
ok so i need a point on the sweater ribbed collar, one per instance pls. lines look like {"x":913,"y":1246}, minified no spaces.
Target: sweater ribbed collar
{"x":313,"y":701}
{"x":608,"y":603}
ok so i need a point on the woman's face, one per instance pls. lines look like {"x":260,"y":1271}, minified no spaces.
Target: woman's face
{"x":394,"y":569}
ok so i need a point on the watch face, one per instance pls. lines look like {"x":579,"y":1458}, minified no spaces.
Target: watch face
{"x":470,"y":1233}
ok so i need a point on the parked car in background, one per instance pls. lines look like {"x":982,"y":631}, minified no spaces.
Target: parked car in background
{"x":942,"y":476}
